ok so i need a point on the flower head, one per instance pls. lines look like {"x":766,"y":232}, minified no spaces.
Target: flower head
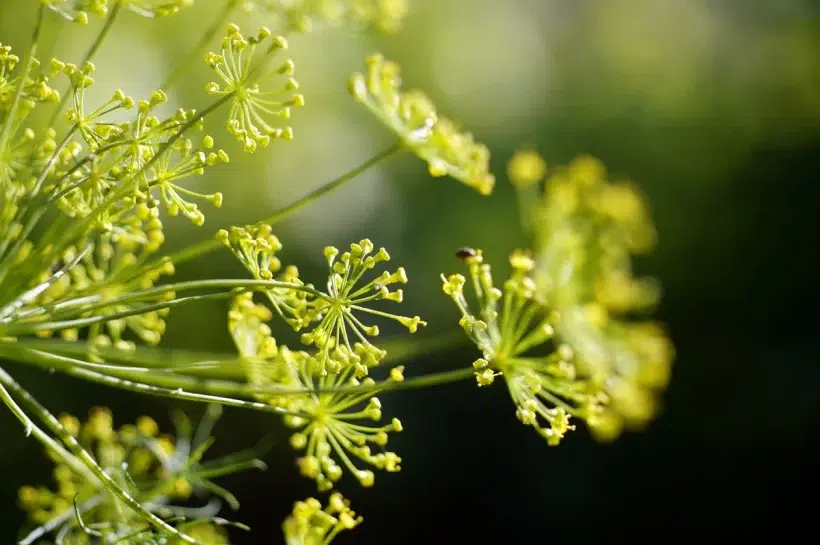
{"x":310,"y":524}
{"x":251,"y":108}
{"x":255,"y":246}
{"x":94,"y":277}
{"x":332,"y":316}
{"x":337,"y":429}
{"x":515,"y":332}
{"x":447,"y":150}
{"x":340,"y":336}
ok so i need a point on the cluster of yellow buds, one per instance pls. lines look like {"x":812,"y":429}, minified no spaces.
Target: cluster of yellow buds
{"x":411,"y":115}
{"x":250,"y":105}
{"x":310,"y":524}
{"x":327,"y":394}
{"x":136,"y":449}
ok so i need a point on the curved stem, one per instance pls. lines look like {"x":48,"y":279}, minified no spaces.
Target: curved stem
{"x":206,"y":246}
{"x":77,"y":450}
{"x":16,"y":410}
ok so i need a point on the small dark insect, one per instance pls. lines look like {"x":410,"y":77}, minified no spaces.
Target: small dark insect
{"x":465,"y":253}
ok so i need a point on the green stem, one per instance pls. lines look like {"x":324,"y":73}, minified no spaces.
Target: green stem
{"x":175,"y":385}
{"x":16,"y":329}
{"x":224,"y":392}
{"x":64,"y":308}
{"x":206,"y":246}
{"x":181,"y":67}
{"x":27,"y":65}
{"x":77,"y":450}
{"x":16,"y":410}
{"x":48,"y":442}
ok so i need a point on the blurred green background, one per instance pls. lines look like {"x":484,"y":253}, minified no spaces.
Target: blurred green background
{"x":713,"y":108}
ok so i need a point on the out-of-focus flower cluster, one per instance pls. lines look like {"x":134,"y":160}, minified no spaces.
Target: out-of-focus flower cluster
{"x":157,"y":469}
{"x":305,"y":15}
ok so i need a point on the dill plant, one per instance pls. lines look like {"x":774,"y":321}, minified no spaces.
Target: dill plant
{"x":86,"y":286}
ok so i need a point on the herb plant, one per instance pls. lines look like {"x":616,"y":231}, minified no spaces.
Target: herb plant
{"x":85,"y":286}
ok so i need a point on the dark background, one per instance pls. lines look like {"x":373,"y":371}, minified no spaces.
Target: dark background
{"x":713,"y":108}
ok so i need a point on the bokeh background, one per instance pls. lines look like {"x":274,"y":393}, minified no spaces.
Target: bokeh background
{"x":713,"y":108}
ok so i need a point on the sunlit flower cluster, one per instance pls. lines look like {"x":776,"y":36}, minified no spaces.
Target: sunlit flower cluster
{"x":251,"y":107}
{"x":515,"y":332}
{"x":411,"y":115}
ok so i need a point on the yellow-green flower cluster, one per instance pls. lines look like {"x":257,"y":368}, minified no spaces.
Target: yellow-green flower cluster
{"x":35,"y":87}
{"x":156,"y":468}
{"x":147,"y":153}
{"x":559,"y":332}
{"x":310,"y":524}
{"x":250,"y":106}
{"x":515,"y":332}
{"x":411,"y":115}
{"x":325,"y":390}
{"x":591,"y":227}
{"x":97,"y":276}
{"x":305,"y":15}
{"x":138,"y":449}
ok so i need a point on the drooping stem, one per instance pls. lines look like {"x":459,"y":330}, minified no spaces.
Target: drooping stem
{"x":56,"y":428}
{"x":283,"y":213}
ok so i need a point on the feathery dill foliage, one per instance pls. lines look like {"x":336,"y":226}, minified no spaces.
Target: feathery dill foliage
{"x":85,"y":286}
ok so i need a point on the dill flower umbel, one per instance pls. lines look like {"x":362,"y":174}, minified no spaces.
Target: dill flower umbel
{"x":335,"y":430}
{"x":558,"y":332}
{"x":515,"y":332}
{"x":250,"y":106}
{"x":447,"y":150}
{"x":331,"y":411}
